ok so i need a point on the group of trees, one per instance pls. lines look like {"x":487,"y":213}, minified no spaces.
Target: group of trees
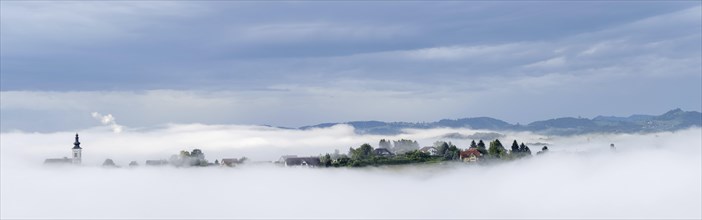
{"x":447,"y":150}
{"x":480,"y":146}
{"x":407,"y":151}
{"x":365,"y":155}
{"x":185,"y":158}
{"x":400,"y":146}
{"x":497,"y":151}
{"x":520,"y":151}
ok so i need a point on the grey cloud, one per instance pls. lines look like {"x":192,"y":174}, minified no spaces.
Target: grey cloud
{"x":183,"y":54}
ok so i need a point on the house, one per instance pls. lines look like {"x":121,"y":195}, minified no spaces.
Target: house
{"x":384,"y":152}
{"x":282,"y":159}
{"x":230,"y":162}
{"x":471,"y":155}
{"x":76,"y":159}
{"x":430,"y":150}
{"x":302,"y":161}
{"x":156,"y":162}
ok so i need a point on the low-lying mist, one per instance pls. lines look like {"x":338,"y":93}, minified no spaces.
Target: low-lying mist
{"x":648,"y":176}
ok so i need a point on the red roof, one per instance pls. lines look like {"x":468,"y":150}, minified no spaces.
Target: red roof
{"x":470,"y":151}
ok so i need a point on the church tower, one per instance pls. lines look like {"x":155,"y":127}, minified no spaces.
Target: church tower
{"x":76,"y":151}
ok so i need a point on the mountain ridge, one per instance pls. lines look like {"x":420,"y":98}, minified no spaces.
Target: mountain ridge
{"x":672,"y":120}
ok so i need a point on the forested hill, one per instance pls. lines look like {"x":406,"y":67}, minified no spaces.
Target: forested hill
{"x":670,"y":121}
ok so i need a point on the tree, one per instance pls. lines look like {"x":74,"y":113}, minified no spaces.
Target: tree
{"x":341,"y":162}
{"x":473,"y":145}
{"x":417,"y":156}
{"x":109,"y":163}
{"x":385,"y":144}
{"x":515,"y":147}
{"x":326,"y":160}
{"x":543,"y":150}
{"x":481,"y":148}
{"x":441,"y":147}
{"x":525,"y":150}
{"x":216,"y":162}
{"x":184,"y":154}
{"x":197,"y":153}
{"x":452,"y":153}
{"x":496,"y":149}
{"x":404,"y":146}
{"x":362,"y":152}
{"x":366,"y":150}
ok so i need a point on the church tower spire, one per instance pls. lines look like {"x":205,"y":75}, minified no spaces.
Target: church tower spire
{"x":77,"y":151}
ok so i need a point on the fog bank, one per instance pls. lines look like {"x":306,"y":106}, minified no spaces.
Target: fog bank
{"x":649,"y":176}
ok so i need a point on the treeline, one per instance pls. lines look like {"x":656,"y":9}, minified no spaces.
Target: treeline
{"x":407,"y":152}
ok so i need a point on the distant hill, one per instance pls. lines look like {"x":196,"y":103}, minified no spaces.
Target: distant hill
{"x":670,"y":121}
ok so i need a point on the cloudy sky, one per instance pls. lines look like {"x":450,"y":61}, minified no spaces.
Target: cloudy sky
{"x":300,"y":63}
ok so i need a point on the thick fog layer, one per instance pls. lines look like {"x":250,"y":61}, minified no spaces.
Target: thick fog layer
{"x":648,"y":176}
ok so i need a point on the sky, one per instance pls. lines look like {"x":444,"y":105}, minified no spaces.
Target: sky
{"x":292,"y":64}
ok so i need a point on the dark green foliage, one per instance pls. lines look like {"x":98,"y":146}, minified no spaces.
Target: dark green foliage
{"x":496,"y":150}
{"x":185,"y":158}
{"x":473,"y":145}
{"x":524,"y":150}
{"x":342,"y":161}
{"x":515,"y":146}
{"x":543,"y":150}
{"x":325,"y":160}
{"x":441,"y":147}
{"x":416,"y":155}
{"x":364,"y":155}
{"x":481,"y":148}
{"x":448,"y":151}
{"x":197,"y":153}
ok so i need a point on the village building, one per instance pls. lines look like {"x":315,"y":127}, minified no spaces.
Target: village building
{"x":430,"y":150}
{"x":471,"y":155}
{"x":230,"y":162}
{"x":384,"y":152}
{"x":302,"y":161}
{"x":75,"y":159}
{"x":156,"y":162}
{"x":282,"y":159}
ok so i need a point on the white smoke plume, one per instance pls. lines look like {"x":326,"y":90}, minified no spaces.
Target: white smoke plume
{"x":108,"y":120}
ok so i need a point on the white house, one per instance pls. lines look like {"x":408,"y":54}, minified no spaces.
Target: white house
{"x":430,"y":150}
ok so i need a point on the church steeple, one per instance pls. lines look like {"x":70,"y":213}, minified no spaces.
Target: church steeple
{"x":77,"y":154}
{"x":76,"y":145}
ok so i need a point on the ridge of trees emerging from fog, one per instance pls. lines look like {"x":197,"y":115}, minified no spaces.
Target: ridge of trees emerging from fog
{"x":408,"y":152}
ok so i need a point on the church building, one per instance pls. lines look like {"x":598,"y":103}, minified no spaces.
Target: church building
{"x":75,"y":159}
